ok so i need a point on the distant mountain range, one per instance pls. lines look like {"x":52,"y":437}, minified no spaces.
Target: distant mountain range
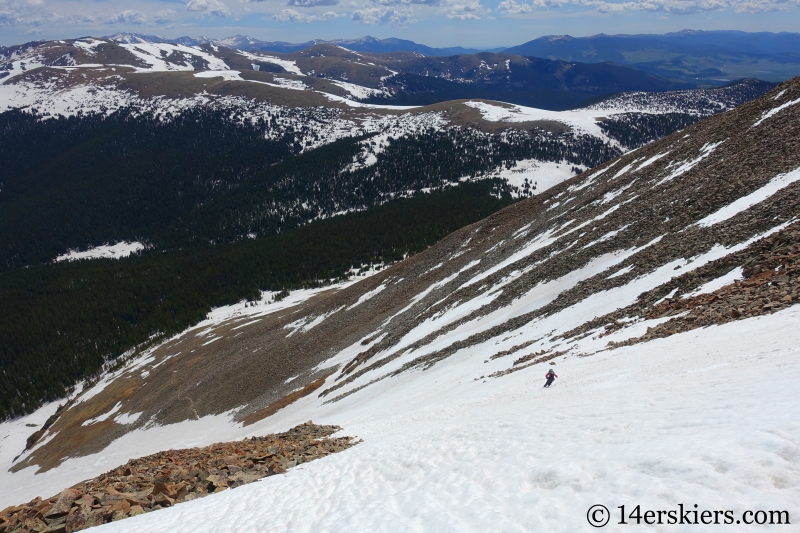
{"x":362,"y":44}
{"x":693,"y":56}
{"x":306,"y":76}
{"x":707,"y":58}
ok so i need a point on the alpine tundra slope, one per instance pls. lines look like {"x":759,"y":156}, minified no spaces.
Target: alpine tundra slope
{"x":660,"y":285}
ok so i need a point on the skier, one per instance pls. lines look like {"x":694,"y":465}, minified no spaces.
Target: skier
{"x":550,"y":377}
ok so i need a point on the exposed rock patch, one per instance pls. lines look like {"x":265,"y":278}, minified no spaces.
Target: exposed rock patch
{"x":171,"y":477}
{"x":771,"y":283}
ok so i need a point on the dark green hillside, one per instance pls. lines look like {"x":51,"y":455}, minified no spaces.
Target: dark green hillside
{"x":528,"y":81}
{"x":633,"y":130}
{"x":60,"y":322}
{"x":70,"y":182}
{"x":300,"y":189}
{"x":208,"y":176}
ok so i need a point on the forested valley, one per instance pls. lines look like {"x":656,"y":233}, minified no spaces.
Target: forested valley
{"x":227,"y":208}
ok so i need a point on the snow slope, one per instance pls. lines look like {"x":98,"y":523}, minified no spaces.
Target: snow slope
{"x":704,"y":417}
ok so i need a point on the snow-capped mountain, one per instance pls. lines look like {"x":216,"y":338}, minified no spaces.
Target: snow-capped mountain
{"x":91,"y":74}
{"x":133,"y":38}
{"x":331,"y":69}
{"x":661,"y":286}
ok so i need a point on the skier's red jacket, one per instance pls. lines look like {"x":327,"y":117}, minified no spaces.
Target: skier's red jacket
{"x":548,"y":375}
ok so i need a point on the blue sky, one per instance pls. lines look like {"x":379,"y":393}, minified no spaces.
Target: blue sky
{"x":469,"y":23}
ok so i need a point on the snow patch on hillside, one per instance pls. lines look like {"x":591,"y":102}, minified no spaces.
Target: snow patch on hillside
{"x":772,"y":187}
{"x":536,"y":176}
{"x":88,"y":45}
{"x":16,"y":67}
{"x":696,"y":102}
{"x":106,"y":251}
{"x":286,"y":64}
{"x":227,"y":75}
{"x":105,"y":416}
{"x":163,"y":57}
{"x":288,"y":83}
{"x":580,"y":120}
{"x":358,"y":91}
{"x":685,"y":166}
{"x":715,"y":284}
{"x":774,"y":111}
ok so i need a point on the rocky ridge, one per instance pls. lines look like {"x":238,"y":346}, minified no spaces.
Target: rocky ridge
{"x":171,"y":477}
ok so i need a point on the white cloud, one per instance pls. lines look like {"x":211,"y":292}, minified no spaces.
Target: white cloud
{"x":510,"y":7}
{"x":762,"y":6}
{"x":559,"y":3}
{"x":7,"y":18}
{"x":209,"y":7}
{"x":406,"y":2}
{"x":675,"y":7}
{"x":20,"y":14}
{"x":383,"y":15}
{"x":125,"y":17}
{"x":311,"y":3}
{"x":31,"y":14}
{"x":461,"y":10}
{"x":165,"y":16}
{"x":290,"y":15}
{"x":34,"y":14}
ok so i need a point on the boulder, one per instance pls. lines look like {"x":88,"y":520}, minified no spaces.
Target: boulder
{"x":63,"y":504}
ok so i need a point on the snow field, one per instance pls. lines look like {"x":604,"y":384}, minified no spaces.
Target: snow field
{"x":545,"y":174}
{"x":287,"y":65}
{"x":321,"y":125}
{"x":154,"y":53}
{"x":703,"y":417}
{"x":580,"y":120}
{"x":227,"y":75}
{"x":358,"y":91}
{"x":18,"y":66}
